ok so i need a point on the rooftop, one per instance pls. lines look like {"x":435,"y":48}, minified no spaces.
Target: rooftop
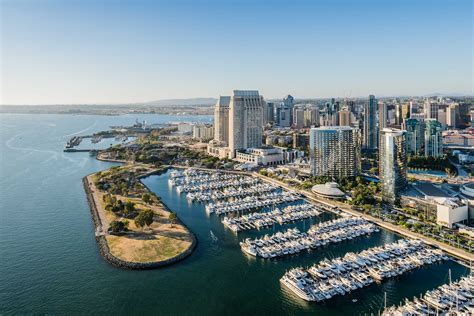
{"x":330,"y":128}
{"x":429,"y":190}
{"x":246,"y":93}
{"x":329,"y":189}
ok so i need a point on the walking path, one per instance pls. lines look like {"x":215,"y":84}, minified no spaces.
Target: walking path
{"x":458,"y":253}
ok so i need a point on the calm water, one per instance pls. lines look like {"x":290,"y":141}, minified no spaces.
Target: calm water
{"x":49,"y":262}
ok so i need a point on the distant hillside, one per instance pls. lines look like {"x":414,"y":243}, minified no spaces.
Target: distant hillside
{"x":182,"y":102}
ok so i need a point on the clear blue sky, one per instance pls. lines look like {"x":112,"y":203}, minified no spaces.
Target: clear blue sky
{"x":55,"y":52}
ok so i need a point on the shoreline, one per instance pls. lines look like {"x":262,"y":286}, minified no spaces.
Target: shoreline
{"x":103,"y":245}
{"x":455,"y":252}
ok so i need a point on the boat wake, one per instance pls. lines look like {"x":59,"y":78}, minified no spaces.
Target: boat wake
{"x":213,"y":237}
{"x":81,"y":131}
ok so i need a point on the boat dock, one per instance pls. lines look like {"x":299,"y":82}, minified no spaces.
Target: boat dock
{"x":293,"y":241}
{"x":455,"y":298}
{"x":340,"y":276}
{"x":256,"y":220}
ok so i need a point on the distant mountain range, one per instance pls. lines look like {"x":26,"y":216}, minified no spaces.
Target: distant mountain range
{"x":449,"y":94}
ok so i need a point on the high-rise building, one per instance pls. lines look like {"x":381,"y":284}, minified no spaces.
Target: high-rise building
{"x":433,"y":138}
{"x":334,"y":151}
{"x":383,"y":115}
{"x":405,"y":111}
{"x":299,"y":118}
{"x":451,"y":114}
{"x":203,"y":132}
{"x":221,"y":120}
{"x":344,"y":118}
{"x":415,"y":136}
{"x":286,"y":112}
{"x":370,"y":124}
{"x":398,"y":114}
{"x":269,"y":113}
{"x":431,"y":110}
{"x":311,"y":117}
{"x":245,"y":120}
{"x":392,"y":163}
{"x":442,"y":117}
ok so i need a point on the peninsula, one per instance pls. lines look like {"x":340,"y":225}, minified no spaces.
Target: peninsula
{"x":134,"y":229}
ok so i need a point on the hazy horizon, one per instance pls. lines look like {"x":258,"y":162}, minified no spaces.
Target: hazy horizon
{"x":129,"y":52}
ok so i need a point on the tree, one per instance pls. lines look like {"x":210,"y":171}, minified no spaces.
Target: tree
{"x":118,"y":226}
{"x":144,"y":218}
{"x":146,"y":197}
{"x":172,"y":218}
{"x":129,"y":209}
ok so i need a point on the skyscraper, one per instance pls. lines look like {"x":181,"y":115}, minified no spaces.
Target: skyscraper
{"x":311,"y":117}
{"x":382,"y":115}
{"x":334,"y":151}
{"x":286,"y":112}
{"x":344,"y":118}
{"x":431,"y":110}
{"x":451,"y":114}
{"x":415,"y":136}
{"x":221,"y":120}
{"x":392,"y":164}
{"x":299,"y":118}
{"x":405,"y":111}
{"x":245,"y":120}
{"x":370,"y":125}
{"x":433,"y":138}
{"x":269,"y":113}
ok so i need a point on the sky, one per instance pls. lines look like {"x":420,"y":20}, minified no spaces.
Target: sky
{"x":104,"y":51}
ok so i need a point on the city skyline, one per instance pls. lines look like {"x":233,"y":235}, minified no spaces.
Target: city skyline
{"x":118,"y":53}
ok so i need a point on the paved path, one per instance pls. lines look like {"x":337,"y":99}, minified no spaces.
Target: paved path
{"x":395,"y":228}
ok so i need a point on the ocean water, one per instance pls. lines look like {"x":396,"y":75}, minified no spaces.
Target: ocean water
{"x":49,"y":261}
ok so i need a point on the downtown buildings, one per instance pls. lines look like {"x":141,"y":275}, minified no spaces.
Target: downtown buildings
{"x":239,"y":121}
{"x":334,"y":151}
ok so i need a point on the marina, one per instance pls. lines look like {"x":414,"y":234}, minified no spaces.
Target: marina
{"x":229,"y":193}
{"x":292,"y":241}
{"x":340,"y":276}
{"x":455,"y":298}
{"x":256,"y":220}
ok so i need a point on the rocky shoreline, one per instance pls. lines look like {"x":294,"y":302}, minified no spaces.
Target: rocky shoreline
{"x":104,"y":247}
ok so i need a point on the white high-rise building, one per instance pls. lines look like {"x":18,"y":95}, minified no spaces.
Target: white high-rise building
{"x":221,"y":120}
{"x":245,"y":120}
